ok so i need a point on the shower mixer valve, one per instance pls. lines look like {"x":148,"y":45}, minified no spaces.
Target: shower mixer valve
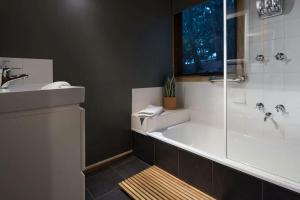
{"x":280,"y":108}
{"x":260,"y":58}
{"x":260,"y":106}
{"x":268,"y":115}
{"x":281,"y":57}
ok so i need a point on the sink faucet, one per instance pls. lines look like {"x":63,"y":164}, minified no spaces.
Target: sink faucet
{"x":5,"y":76}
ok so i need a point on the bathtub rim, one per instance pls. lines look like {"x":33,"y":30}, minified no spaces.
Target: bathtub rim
{"x":242,"y":167}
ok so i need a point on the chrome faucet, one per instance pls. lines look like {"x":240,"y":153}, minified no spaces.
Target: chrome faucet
{"x":5,"y":75}
{"x":268,"y":115}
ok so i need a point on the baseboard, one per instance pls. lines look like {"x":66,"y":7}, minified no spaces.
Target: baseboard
{"x":106,"y":162}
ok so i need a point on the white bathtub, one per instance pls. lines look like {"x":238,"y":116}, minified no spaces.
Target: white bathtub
{"x":210,"y":142}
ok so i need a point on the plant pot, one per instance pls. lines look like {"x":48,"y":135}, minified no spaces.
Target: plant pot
{"x":170,"y":103}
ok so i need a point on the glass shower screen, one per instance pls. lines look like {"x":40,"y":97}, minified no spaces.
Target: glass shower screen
{"x":263,"y":107}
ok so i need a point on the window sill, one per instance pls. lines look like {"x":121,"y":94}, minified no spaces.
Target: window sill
{"x":194,"y":78}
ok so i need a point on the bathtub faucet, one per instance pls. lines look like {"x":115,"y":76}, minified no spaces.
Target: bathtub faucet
{"x":6,"y":78}
{"x":268,"y":115}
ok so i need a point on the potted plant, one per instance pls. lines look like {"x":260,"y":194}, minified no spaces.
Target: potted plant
{"x":170,"y":97}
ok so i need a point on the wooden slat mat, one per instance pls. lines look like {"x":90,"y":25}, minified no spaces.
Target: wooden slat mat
{"x":156,"y":184}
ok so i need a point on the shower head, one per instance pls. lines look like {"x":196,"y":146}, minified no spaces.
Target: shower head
{"x":269,"y":8}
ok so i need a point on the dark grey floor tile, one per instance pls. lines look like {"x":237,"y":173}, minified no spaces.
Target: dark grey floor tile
{"x":143,"y":148}
{"x":166,"y":157}
{"x":273,"y":192}
{"x":102,"y":181}
{"x":88,"y":196}
{"x":114,"y":195}
{"x":129,"y":167}
{"x":196,"y":171}
{"x":230,"y":184}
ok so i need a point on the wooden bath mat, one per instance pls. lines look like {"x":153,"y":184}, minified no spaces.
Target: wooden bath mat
{"x":156,"y":184}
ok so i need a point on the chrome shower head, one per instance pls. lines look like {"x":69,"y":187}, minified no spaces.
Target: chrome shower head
{"x":269,"y":8}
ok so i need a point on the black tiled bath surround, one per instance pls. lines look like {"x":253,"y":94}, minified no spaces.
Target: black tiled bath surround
{"x":219,"y":181}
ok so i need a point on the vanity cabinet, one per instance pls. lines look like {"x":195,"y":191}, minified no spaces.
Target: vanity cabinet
{"x":42,"y":154}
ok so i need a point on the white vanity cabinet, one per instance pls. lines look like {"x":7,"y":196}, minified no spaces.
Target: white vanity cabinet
{"x":42,"y":153}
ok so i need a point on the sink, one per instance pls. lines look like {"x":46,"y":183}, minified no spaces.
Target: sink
{"x":33,"y":97}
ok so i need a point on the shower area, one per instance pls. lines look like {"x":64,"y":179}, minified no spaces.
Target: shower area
{"x":262,"y":87}
{"x":248,"y":117}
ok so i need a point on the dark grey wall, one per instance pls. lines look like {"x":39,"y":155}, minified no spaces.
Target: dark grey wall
{"x":108,"y":46}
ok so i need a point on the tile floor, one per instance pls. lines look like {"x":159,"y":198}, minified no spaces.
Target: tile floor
{"x":103,"y":184}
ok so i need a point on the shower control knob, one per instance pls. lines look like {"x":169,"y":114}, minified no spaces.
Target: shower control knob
{"x":260,"y":106}
{"x":280,"y":108}
{"x":281,"y":57}
{"x":260,"y":58}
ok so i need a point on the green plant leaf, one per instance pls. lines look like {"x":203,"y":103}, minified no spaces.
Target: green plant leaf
{"x":170,"y":87}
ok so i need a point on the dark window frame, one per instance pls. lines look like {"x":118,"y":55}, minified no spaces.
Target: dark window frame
{"x":178,"y":51}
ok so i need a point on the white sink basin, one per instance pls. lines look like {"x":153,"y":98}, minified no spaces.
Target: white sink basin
{"x":32,"y":97}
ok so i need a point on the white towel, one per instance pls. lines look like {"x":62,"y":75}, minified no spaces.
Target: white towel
{"x":150,"y":111}
{"x":56,"y":85}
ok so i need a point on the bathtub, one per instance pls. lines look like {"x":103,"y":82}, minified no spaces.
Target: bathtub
{"x":210,"y":142}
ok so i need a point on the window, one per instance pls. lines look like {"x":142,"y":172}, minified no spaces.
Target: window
{"x":199,"y":39}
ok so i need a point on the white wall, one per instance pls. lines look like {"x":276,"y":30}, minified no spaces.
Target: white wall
{"x":272,"y":83}
{"x":204,"y":100}
{"x":142,"y":97}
